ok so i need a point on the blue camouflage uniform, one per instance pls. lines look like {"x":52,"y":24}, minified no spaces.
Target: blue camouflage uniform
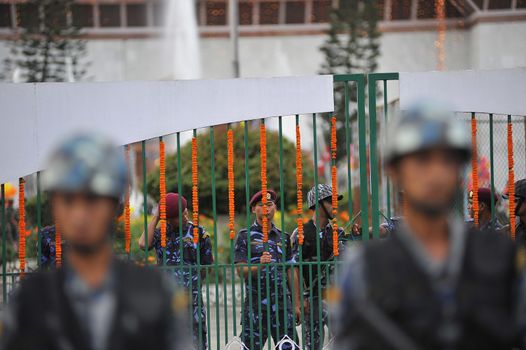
{"x":186,"y":277}
{"x":312,"y":282}
{"x":391,"y":224}
{"x":255,"y":320}
{"x":48,"y":252}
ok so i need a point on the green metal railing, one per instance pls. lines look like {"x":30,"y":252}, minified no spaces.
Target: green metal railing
{"x":222,"y":288}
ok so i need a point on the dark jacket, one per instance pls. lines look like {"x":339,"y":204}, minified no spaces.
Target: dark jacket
{"x":477,"y":313}
{"x":41,"y":316}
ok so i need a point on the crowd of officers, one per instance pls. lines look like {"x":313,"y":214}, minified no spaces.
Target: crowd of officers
{"x":434,"y":282}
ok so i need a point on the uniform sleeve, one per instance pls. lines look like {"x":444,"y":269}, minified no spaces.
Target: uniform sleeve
{"x":241,"y":247}
{"x":289,"y":255}
{"x":156,"y":243}
{"x":207,"y":258}
{"x":295,"y":245}
{"x":45,"y":252}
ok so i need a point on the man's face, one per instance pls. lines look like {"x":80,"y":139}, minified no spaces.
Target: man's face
{"x":483,"y":207}
{"x":84,"y":219}
{"x":327,"y":204}
{"x":175,"y":221}
{"x":258,"y":210}
{"x":430,"y":179}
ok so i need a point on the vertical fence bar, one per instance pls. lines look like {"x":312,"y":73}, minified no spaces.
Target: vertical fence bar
{"x":249,"y":238}
{"x":387,"y":184}
{"x":364,"y":193}
{"x":282,"y":209}
{"x":348,"y":148}
{"x":214,"y":211}
{"x":232,"y":271}
{"x":492,"y":172}
{"x":39,"y":220}
{"x":373,"y":157}
{"x":4,"y":246}
{"x":145,"y":200}
{"x":317,"y":215}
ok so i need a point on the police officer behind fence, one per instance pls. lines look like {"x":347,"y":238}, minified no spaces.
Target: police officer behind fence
{"x":311,"y":279}
{"x":484,"y":200}
{"x":279,"y":250}
{"x":188,"y":279}
{"x":95,"y":302}
{"x":435,"y":284}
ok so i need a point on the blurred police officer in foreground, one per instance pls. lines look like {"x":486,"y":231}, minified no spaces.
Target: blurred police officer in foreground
{"x":312,"y":281}
{"x":94,"y":302}
{"x":185,"y":277}
{"x":435,"y":283}
{"x":269,"y":257}
{"x":484,"y":200}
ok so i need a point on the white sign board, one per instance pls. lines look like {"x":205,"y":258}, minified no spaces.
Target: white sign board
{"x":35,"y":116}
{"x":486,"y":91}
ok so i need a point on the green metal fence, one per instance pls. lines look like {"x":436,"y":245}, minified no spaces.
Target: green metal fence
{"x":223,"y":288}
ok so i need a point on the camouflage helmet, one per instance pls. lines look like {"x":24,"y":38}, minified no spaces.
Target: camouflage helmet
{"x":87,"y":162}
{"x":324,"y":192}
{"x":425,"y":126}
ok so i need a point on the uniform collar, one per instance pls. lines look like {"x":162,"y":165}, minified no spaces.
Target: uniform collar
{"x":271,"y":228}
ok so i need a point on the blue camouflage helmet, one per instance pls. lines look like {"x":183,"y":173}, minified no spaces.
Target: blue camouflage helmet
{"x":424,"y":126}
{"x":87,"y":162}
{"x":324,"y":192}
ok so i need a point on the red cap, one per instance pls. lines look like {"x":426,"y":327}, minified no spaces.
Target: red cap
{"x":172,"y":205}
{"x":484,"y":195}
{"x":271,"y":196}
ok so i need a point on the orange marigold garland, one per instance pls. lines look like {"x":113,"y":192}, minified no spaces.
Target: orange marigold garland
{"x":21,"y":226}
{"x":511,"y":179}
{"x":263,"y":152}
{"x":58,"y":245}
{"x":475,"y":170}
{"x":231,"y":202}
{"x":334,"y":174}
{"x":195,"y":198}
{"x":162,"y":191}
{"x":299,"y":184}
{"x":127,"y":224}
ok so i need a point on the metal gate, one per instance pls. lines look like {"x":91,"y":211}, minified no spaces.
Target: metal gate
{"x":221,"y":290}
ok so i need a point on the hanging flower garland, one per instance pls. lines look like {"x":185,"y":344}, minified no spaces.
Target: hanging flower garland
{"x":335,"y":248}
{"x":299,"y":184}
{"x":511,"y":179}
{"x":475,"y":170}
{"x":231,"y":202}
{"x":21,"y":226}
{"x":162,"y":191}
{"x":195,"y":193}
{"x":127,"y":224}
{"x":263,"y":152}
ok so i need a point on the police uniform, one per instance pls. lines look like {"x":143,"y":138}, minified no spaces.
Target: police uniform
{"x":183,"y":276}
{"x":394,"y":295}
{"x":48,"y":248}
{"x":311,"y":280}
{"x":133,"y":307}
{"x":255,"y":330}
{"x":391,"y":224}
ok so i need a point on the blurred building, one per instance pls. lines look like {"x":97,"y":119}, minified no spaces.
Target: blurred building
{"x":282,"y":37}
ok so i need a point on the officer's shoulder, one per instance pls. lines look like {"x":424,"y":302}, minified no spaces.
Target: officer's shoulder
{"x":492,"y":241}
{"x":48,"y":230}
{"x":242,"y":233}
{"x":139,"y":278}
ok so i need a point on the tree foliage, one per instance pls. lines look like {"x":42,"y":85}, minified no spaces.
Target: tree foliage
{"x":221,"y":179}
{"x":351,"y":46}
{"x":47,"y":46}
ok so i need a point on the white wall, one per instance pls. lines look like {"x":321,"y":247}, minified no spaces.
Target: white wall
{"x":484,"y":46}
